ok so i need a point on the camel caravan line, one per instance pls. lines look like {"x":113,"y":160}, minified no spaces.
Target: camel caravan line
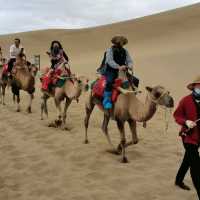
{"x":114,"y":92}
{"x":127,"y":107}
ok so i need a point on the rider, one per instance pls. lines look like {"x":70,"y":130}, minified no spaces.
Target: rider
{"x":15,"y":50}
{"x":117,"y":59}
{"x":57,"y":54}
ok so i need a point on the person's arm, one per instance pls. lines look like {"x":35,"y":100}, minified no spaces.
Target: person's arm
{"x":110,"y":60}
{"x":129,"y":61}
{"x":65,"y":56}
{"x":179,"y":114}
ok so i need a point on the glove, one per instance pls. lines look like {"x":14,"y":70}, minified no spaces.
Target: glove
{"x":190,"y":124}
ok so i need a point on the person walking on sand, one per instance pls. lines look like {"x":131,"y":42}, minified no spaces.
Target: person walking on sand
{"x":187,"y":115}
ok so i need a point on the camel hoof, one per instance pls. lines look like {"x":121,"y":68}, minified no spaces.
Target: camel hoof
{"x":119,"y":149}
{"x":58,"y":122}
{"x":86,"y":142}
{"x":29,"y":110}
{"x":65,"y":128}
{"x":135,"y":142}
{"x":124,"y":160}
{"x":4,"y":104}
{"x":114,"y":151}
{"x":52,"y":124}
{"x":18,"y":110}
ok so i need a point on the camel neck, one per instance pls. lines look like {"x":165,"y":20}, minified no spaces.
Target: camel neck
{"x":142,"y":112}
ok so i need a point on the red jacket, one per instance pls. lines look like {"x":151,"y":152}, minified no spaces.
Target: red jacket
{"x":187,"y":110}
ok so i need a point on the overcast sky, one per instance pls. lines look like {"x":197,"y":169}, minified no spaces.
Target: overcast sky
{"x":24,"y":15}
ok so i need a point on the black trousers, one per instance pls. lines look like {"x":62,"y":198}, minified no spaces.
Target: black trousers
{"x":190,"y":161}
{"x":11,"y":64}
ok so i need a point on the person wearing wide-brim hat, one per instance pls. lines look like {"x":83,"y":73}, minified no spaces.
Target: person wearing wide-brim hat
{"x":117,"y":58}
{"x":187,"y":115}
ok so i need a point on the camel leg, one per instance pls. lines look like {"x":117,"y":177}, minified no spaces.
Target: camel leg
{"x":14,"y":98}
{"x":3,"y":93}
{"x":44,"y":108}
{"x":132,"y":125}
{"x":30,"y":103}
{"x":18,"y":103}
{"x":58,"y":121}
{"x":120,"y":125}
{"x":89,"y":108}
{"x":1,"y":96}
{"x":67,"y":104}
{"x":105,"y":130}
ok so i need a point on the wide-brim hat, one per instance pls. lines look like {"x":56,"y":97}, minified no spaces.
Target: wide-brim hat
{"x":191,"y":85}
{"x":119,"y":39}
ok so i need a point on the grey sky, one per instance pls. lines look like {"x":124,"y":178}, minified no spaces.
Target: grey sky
{"x":24,"y":15}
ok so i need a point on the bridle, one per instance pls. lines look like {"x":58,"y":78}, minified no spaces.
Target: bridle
{"x":156,"y":101}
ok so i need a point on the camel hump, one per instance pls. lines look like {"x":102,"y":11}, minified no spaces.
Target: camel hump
{"x":25,"y":79}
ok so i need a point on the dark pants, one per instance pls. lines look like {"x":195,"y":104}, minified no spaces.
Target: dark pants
{"x":110,"y":74}
{"x":11,"y":64}
{"x":191,"y":160}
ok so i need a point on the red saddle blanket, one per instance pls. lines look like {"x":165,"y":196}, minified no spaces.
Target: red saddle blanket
{"x":99,"y":87}
{"x":52,"y":77}
{"x":5,"y":69}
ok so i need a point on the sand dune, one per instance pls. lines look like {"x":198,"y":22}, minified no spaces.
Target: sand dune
{"x":43,"y":163}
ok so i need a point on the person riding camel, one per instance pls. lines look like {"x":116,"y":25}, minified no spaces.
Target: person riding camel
{"x":15,"y":50}
{"x":117,"y":59}
{"x":58,"y":59}
{"x":57,"y":54}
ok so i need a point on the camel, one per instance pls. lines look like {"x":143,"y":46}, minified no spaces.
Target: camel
{"x":71,"y":90}
{"x":128,"y":108}
{"x":23,"y":79}
{"x":4,"y":82}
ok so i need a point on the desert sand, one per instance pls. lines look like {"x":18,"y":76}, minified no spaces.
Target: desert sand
{"x":38,"y":162}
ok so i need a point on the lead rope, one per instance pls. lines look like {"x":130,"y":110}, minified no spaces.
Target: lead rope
{"x":167,"y":118}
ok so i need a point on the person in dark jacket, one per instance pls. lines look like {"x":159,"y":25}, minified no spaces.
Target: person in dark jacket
{"x":117,"y":59}
{"x":57,"y":54}
{"x":187,"y":115}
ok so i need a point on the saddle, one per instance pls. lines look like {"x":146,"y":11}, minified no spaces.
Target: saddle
{"x":100,"y":84}
{"x":53,"y":78}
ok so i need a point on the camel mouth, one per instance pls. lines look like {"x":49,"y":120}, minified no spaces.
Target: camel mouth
{"x":169,"y":102}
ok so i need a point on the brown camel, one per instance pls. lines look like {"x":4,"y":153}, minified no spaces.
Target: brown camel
{"x":23,"y":79}
{"x":71,"y":90}
{"x":129,"y":108}
{"x":4,"y":81}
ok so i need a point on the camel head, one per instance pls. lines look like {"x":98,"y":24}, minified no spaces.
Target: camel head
{"x":161,"y":96}
{"x":83,"y":83}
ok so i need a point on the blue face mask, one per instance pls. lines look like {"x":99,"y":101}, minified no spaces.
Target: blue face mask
{"x":197,"y":91}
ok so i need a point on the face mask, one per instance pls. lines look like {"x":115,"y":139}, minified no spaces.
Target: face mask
{"x":55,"y":50}
{"x":197,"y":91}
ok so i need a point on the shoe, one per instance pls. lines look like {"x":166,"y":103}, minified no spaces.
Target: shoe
{"x":182,"y":186}
{"x":107,"y":104}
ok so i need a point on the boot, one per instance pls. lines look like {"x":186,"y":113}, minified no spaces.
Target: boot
{"x":107,"y":103}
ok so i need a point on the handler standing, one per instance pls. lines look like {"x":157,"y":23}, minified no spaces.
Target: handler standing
{"x":187,"y":115}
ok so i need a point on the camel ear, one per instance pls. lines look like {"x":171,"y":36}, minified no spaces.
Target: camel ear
{"x":149,"y":89}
